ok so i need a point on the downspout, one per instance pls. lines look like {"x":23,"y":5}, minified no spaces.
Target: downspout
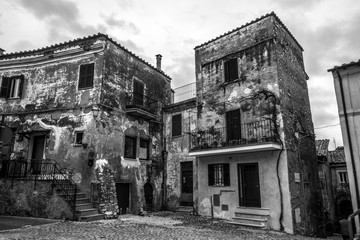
{"x":349,"y":138}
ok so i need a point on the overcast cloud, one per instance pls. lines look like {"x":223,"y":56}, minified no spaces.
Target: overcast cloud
{"x":327,"y":30}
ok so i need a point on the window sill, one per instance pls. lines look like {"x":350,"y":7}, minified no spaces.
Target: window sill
{"x":13,"y":98}
{"x":85,"y":88}
{"x":130,"y":159}
{"x":77,"y":145}
{"x":218,"y":186}
{"x":224,"y":84}
{"x":177,"y":136}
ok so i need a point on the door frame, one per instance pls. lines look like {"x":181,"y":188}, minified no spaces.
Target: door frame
{"x":242,"y":200}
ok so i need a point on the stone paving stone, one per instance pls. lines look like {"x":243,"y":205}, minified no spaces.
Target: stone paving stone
{"x":154,"y":226}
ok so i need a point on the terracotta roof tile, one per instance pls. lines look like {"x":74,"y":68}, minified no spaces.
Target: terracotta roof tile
{"x":337,"y":156}
{"x":72,"y":43}
{"x":345,"y":65}
{"x":322,"y":146}
{"x":249,"y":23}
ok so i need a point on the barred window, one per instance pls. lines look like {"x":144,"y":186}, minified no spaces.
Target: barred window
{"x":219,"y":174}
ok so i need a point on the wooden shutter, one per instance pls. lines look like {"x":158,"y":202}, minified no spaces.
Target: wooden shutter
{"x":138,"y":93}
{"x":226,"y":168}
{"x":233,"y":69}
{"x":176,"y":125}
{"x":21,"y":86}
{"x":211,"y":174}
{"x":5,"y":87}
{"x":86,"y":75}
{"x":89,"y":75}
{"x":82,"y":77}
{"x":226,"y":69}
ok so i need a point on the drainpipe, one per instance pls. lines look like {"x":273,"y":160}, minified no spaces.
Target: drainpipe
{"x":349,"y":139}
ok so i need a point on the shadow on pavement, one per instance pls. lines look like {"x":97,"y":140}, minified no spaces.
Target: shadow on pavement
{"x":13,"y":222}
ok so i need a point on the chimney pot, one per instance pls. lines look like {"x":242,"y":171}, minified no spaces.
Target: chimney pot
{"x":158,"y":61}
{"x":2,"y":51}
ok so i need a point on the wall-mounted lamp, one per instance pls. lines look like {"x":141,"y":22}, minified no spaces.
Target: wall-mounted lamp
{"x":95,"y":110}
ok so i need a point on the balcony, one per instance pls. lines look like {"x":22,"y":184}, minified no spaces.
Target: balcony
{"x":139,"y":105}
{"x":247,"y":137}
{"x":185,"y":92}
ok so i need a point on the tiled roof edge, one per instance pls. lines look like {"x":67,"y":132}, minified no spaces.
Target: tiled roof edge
{"x":71,"y":43}
{"x":345,"y":65}
{"x":252,"y":22}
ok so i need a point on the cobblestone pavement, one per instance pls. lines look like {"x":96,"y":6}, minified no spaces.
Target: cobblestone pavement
{"x":162,"y":225}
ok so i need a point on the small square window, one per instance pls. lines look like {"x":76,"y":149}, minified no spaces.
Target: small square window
{"x":343,"y":178}
{"x":78,"y":138}
{"x":11,"y":87}
{"x":176,"y":125}
{"x":144,"y":149}
{"x":219,"y":174}
{"x":86,"y":76}
{"x":231,"y":70}
{"x":130,"y":147}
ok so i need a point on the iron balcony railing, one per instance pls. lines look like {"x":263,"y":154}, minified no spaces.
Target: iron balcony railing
{"x":37,"y":170}
{"x":247,"y":133}
{"x":143,"y":102}
{"x":185,"y":92}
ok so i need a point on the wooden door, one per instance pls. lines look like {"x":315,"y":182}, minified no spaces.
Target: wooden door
{"x":249,"y":186}
{"x":123,"y":196}
{"x":233,"y":129}
{"x":186,"y":183}
{"x":37,"y":154}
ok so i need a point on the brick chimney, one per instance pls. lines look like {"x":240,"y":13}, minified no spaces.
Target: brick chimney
{"x":158,"y":61}
{"x":2,"y":51}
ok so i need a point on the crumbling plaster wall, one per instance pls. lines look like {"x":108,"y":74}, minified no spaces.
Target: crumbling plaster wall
{"x":52,"y":101}
{"x":178,"y":151}
{"x":120,"y":70}
{"x":253,"y":47}
{"x":300,"y":148}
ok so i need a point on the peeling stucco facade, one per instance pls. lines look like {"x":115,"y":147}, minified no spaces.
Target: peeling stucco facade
{"x":52,"y":105}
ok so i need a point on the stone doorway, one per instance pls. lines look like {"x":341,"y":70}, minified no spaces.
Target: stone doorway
{"x":148,"y":191}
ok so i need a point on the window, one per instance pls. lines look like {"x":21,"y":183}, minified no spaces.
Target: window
{"x":233,"y":127}
{"x":78,"y":138}
{"x":343,"y":178}
{"x":138,"y":93}
{"x":11,"y":87}
{"x":219,"y":174}
{"x":176,"y":125}
{"x":144,"y":149}
{"x":130,"y":147}
{"x":86,"y":76}
{"x":231,"y":70}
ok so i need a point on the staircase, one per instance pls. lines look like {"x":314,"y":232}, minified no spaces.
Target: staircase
{"x":251,"y":217}
{"x":83,"y":208}
{"x":185,"y":209}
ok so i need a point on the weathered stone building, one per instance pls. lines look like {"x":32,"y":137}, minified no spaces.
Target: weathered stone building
{"x":96,"y":109}
{"x":249,"y":138}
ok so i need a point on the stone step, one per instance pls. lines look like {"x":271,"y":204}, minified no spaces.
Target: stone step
{"x":262,"y":225}
{"x":87,"y":212}
{"x":186,"y":209}
{"x":81,"y":206}
{"x":251,"y":216}
{"x":249,"y":220}
{"x":82,"y":200}
{"x":93,"y":217}
{"x":78,"y":195}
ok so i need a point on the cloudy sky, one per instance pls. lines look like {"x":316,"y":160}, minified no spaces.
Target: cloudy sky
{"x":328,"y":30}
